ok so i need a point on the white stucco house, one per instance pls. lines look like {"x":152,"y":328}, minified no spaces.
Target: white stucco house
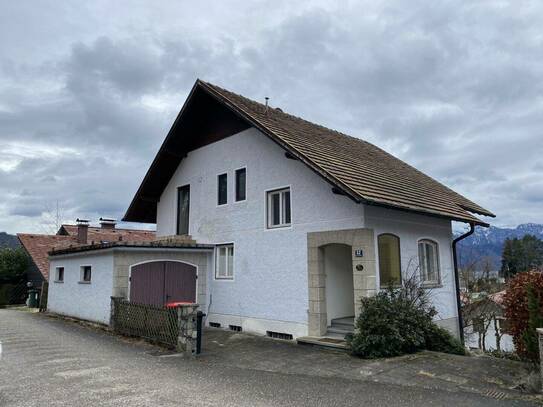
{"x":273,"y":224}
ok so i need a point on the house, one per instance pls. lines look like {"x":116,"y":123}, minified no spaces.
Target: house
{"x":273,"y":224}
{"x":39,"y":245}
{"x":486,"y":327}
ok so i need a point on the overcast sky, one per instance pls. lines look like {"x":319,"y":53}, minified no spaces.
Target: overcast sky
{"x":88,"y":91}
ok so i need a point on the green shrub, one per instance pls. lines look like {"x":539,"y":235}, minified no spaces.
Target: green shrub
{"x":395,"y":322}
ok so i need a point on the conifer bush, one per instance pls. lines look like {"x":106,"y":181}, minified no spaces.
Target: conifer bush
{"x":399,"y":321}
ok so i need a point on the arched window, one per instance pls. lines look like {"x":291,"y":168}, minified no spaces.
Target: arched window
{"x":389,"y":260}
{"x":429,"y":262}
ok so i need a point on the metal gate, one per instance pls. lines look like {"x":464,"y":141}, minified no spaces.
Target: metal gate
{"x":160,"y":282}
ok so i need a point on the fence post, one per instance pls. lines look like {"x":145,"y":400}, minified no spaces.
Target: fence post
{"x":187,"y":334}
{"x":540,"y":334}
{"x":112,"y":314}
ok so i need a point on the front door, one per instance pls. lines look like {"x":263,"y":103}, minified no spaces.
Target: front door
{"x":160,"y":282}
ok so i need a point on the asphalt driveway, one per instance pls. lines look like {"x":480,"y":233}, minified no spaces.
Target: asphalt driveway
{"x":51,"y":362}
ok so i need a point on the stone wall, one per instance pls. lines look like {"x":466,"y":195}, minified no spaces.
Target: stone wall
{"x":188,"y":334}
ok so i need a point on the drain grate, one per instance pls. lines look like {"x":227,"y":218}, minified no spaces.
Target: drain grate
{"x":495,"y":394}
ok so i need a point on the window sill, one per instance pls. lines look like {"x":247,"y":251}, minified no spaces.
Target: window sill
{"x":84,"y":282}
{"x":224,"y":278}
{"x":279,"y":226}
{"x":58,"y":281}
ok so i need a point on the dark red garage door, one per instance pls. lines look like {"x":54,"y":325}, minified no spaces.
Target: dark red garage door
{"x":160,"y":282}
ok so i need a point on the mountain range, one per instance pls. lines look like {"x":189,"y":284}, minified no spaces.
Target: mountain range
{"x":7,"y":240}
{"x":488,"y":243}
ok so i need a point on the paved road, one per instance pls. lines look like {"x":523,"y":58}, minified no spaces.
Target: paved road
{"x":49,"y":362}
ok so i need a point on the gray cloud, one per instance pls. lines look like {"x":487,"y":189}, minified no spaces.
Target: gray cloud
{"x":454,"y":89}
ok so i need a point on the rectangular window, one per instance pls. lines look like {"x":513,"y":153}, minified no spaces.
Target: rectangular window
{"x":224,"y":263}
{"x":183,"y":209}
{"x":429,"y":262}
{"x":222,"y":189}
{"x":241,"y":184}
{"x":59,"y":275}
{"x":86,"y":274}
{"x":279,"y":208}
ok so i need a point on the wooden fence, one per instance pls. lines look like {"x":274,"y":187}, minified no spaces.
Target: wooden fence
{"x":157,"y":324}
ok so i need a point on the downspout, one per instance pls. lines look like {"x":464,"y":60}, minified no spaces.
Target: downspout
{"x":457,"y":280}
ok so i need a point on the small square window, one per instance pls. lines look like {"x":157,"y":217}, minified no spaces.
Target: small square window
{"x":86,"y":274}
{"x":279,"y":208}
{"x":224,"y":263}
{"x":241,"y":184}
{"x":59,"y":275}
{"x":222,"y":189}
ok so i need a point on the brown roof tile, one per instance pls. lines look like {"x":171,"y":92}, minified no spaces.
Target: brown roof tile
{"x":363,"y":171}
{"x":38,"y":246}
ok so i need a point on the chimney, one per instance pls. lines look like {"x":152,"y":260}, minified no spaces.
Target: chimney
{"x":82,"y":230}
{"x":106,"y":223}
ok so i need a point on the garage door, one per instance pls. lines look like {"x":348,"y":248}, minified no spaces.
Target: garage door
{"x":160,"y":282}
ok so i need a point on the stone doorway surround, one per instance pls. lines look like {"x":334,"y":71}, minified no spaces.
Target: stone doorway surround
{"x":364,"y":271}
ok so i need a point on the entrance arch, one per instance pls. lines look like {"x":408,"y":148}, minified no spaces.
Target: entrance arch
{"x":163,"y":281}
{"x":362,"y":244}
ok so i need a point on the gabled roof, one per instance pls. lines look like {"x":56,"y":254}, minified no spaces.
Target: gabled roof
{"x":38,"y":246}
{"x":359,"y":169}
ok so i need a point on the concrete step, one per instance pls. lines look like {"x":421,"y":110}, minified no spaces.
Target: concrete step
{"x":326,"y":342}
{"x":344,"y":327}
{"x":339,"y":330}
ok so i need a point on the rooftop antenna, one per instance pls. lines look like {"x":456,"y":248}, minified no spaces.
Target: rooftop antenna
{"x":267,"y":98}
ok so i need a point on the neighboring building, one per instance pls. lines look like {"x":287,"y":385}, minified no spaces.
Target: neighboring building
{"x":273,"y":224}
{"x":485,"y":324}
{"x":38,"y":245}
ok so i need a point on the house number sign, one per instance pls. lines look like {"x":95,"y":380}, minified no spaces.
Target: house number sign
{"x":358,"y":253}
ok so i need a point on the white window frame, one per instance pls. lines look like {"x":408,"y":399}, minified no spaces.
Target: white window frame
{"x":82,"y":274}
{"x":236,"y":184}
{"x":229,"y":275}
{"x":269,"y":209}
{"x":57,"y":280}
{"x":424,"y":276}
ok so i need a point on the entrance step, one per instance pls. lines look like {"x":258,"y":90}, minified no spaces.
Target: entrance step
{"x":338,"y":331}
{"x":324,"y":342}
{"x":343,"y":324}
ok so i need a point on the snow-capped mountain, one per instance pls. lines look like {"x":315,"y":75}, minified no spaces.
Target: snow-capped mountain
{"x":488,"y":242}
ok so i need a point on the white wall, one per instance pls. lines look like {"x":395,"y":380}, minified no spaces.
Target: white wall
{"x":338,"y":267}
{"x":86,"y":301}
{"x":270,"y":266}
{"x":410,"y":228}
